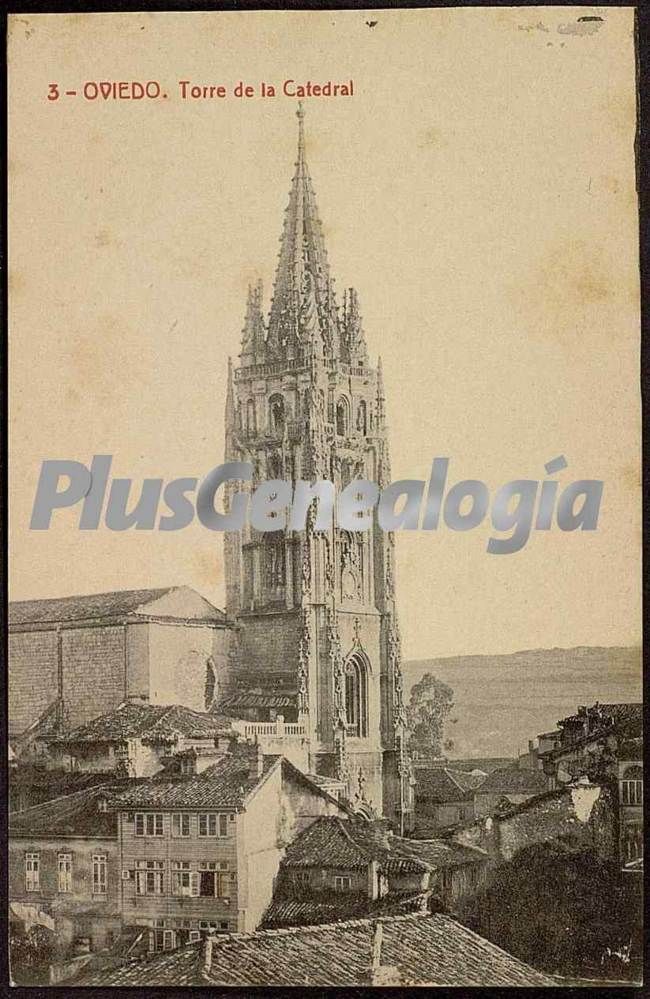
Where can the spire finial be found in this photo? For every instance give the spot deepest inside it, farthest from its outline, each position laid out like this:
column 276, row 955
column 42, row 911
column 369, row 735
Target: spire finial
column 300, row 115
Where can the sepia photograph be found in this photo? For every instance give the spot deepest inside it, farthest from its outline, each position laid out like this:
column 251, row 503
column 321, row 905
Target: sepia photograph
column 324, row 519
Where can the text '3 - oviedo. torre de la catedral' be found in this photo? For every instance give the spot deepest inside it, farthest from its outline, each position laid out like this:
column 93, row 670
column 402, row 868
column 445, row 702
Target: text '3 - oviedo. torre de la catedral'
column 315, row 661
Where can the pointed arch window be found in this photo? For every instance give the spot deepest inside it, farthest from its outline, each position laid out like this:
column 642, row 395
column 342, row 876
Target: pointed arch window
column 356, row 696
column 276, row 414
column 342, row 416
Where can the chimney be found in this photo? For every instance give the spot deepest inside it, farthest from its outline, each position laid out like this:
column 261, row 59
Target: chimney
column 207, row 954
column 256, row 761
column 382, row 974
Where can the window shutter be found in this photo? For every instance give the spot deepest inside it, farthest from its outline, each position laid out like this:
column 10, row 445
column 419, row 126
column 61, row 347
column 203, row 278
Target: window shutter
column 194, row 884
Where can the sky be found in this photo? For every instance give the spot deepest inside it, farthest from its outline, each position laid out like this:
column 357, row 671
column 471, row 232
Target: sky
column 477, row 190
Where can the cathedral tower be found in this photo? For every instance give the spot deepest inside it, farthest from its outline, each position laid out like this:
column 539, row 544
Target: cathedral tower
column 317, row 635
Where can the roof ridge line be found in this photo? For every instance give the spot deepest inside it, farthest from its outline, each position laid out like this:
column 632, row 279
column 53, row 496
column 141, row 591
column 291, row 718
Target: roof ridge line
column 322, row 927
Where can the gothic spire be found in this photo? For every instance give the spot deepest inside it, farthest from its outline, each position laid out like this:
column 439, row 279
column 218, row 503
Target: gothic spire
column 231, row 414
column 381, row 398
column 252, row 341
column 354, row 337
column 303, row 308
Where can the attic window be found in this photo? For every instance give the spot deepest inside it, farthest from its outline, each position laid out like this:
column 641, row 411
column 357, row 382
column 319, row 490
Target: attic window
column 102, row 804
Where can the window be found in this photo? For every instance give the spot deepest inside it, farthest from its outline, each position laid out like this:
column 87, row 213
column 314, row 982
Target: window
column 180, row 824
column 276, row 414
column 185, row 881
column 212, row 927
column 169, row 940
column 274, row 562
column 194, row 936
column 632, row 786
column 215, row 880
column 100, row 879
column 65, row 871
column 342, row 420
column 149, row 877
column 213, row 824
column 32, row 871
column 148, row 824
column 356, row 696
column 342, row 883
column 301, row 878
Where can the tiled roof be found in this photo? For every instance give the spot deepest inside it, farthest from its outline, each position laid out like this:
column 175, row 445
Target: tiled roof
column 334, row 842
column 75, row 814
column 226, row 784
column 330, row 907
column 440, row 852
column 442, row 784
column 427, row 950
column 514, row 780
column 256, row 699
column 484, row 763
column 58, row 783
column 151, row 722
column 177, row 968
column 116, row 603
column 352, row 843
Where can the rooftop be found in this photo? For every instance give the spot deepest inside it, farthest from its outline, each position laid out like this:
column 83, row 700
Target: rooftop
column 347, row 844
column 225, row 784
column 153, row 723
column 514, row 780
column 427, row 950
column 114, row 604
column 625, row 718
column 75, row 814
column 442, row 784
column 289, row 909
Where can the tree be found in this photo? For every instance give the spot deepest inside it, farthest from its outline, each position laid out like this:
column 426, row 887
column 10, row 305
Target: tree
column 428, row 709
column 559, row 908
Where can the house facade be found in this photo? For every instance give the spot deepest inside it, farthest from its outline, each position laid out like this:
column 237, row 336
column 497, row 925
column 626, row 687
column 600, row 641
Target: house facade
column 606, row 741
column 64, row 864
column 444, row 797
column 341, row 867
column 200, row 854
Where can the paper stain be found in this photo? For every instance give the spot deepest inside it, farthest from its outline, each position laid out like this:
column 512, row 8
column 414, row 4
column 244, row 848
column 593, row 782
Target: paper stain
column 431, row 138
column 104, row 237
column 585, row 25
column 630, row 477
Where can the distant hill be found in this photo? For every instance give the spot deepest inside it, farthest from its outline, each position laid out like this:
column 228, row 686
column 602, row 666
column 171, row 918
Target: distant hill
column 502, row 701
